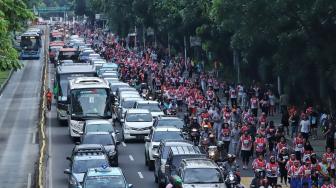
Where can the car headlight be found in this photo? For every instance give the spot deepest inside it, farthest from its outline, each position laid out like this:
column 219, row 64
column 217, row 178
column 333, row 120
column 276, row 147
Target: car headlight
column 112, row 153
column 231, row 178
column 163, row 169
column 72, row 181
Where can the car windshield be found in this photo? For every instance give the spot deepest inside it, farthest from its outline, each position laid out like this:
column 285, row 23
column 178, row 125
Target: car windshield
column 102, row 139
column 99, row 128
column 164, row 135
column 128, row 104
column 105, row 182
column 139, row 117
column 90, row 102
column 81, row 166
column 171, row 122
column 178, row 158
column 115, row 87
column 202, row 175
column 154, row 107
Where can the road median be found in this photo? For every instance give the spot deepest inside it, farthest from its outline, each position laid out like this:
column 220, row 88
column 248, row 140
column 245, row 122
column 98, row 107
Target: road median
column 41, row 168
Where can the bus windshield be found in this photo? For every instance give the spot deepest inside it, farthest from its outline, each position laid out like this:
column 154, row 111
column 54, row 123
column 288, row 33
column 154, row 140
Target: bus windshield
column 30, row 43
column 89, row 102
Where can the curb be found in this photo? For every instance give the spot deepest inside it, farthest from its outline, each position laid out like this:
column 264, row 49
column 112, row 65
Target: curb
column 2, row 88
column 41, row 164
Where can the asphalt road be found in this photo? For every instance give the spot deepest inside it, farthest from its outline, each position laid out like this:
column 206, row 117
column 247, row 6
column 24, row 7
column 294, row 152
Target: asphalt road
column 19, row 108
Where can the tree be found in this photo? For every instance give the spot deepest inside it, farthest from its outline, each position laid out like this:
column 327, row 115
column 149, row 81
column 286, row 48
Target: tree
column 12, row 14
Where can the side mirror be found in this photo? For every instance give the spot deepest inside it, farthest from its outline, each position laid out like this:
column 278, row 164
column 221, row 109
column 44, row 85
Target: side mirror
column 67, row 171
column 130, row 185
column 68, row 158
column 147, row 139
column 156, row 155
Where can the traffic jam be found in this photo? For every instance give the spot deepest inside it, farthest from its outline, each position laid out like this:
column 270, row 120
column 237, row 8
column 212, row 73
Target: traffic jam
column 196, row 130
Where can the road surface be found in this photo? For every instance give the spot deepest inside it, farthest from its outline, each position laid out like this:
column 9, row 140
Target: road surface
column 19, row 109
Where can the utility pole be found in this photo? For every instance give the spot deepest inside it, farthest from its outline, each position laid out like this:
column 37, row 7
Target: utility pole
column 135, row 37
column 236, row 63
column 185, row 51
column 168, row 45
column 143, row 36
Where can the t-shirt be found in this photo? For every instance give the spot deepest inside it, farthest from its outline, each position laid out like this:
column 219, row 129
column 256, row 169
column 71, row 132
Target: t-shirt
column 305, row 125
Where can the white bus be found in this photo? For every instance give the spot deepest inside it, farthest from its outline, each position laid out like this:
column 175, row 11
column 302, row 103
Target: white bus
column 89, row 99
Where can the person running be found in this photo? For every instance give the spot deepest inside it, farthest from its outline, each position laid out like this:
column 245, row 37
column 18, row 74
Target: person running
column 49, row 99
column 272, row 171
column 245, row 147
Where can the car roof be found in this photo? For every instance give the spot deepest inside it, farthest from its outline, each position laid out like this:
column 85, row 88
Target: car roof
column 109, row 171
column 176, row 143
column 92, row 156
column 147, row 102
column 199, row 163
column 167, row 129
column 185, row 150
column 168, row 118
column 137, row 111
column 136, row 99
column 97, row 121
column 97, row 133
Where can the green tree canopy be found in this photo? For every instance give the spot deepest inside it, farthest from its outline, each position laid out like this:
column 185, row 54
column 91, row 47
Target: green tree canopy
column 12, row 16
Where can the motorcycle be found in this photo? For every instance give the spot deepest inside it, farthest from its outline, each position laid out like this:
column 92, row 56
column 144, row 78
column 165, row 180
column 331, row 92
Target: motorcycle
column 232, row 181
column 213, row 153
column 260, row 179
column 194, row 136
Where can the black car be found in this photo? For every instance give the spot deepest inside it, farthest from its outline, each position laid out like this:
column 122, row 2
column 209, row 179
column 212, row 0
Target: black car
column 105, row 139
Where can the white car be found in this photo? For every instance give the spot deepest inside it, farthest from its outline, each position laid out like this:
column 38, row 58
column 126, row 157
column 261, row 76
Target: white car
column 125, row 104
column 153, row 141
column 152, row 106
column 137, row 124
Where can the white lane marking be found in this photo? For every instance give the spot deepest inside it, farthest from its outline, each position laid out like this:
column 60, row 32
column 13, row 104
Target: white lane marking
column 29, row 181
column 34, row 138
column 140, row 175
column 124, row 144
column 131, row 157
column 0, row 96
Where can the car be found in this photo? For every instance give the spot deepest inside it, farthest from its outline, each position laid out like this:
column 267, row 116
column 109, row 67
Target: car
column 200, row 172
column 175, row 156
column 115, row 85
column 169, row 121
column 106, row 140
column 162, row 155
column 152, row 106
column 125, row 89
column 153, row 141
column 98, row 63
column 125, row 104
column 84, row 55
column 105, row 177
column 109, row 75
column 100, row 125
column 79, row 164
column 137, row 124
column 87, row 148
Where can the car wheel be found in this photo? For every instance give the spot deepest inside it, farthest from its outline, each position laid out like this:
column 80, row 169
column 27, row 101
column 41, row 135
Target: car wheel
column 156, row 179
column 116, row 162
column 150, row 165
column 146, row 160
